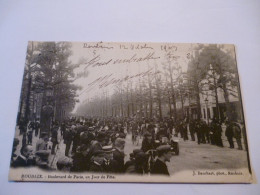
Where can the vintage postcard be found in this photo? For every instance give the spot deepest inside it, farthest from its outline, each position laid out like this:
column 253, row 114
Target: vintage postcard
column 130, row 112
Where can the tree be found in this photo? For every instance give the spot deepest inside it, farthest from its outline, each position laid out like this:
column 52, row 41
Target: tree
column 172, row 71
column 221, row 66
column 48, row 67
column 195, row 74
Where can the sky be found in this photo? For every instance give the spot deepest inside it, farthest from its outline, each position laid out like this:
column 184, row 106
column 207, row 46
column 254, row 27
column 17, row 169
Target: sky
column 98, row 62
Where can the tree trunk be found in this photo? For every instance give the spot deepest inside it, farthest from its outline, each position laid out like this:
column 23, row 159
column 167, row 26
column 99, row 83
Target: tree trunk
column 226, row 95
column 216, row 96
column 27, row 104
column 170, row 106
column 198, row 101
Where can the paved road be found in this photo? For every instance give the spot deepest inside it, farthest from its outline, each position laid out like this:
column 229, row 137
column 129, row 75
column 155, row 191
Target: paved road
column 200, row 156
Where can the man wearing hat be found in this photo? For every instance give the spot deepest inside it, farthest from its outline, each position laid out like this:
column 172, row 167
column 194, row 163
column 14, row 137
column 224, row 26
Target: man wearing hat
column 130, row 164
column 36, row 127
column 96, row 145
column 26, row 158
column 151, row 128
column 164, row 155
column 148, row 142
column 229, row 133
column 54, row 138
column 140, row 163
column 30, row 129
column 76, row 137
column 109, row 164
column 162, row 132
column 97, row 161
column 119, row 154
column 68, row 136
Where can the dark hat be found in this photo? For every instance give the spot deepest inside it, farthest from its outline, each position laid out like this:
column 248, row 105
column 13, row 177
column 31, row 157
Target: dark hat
column 91, row 136
column 83, row 135
column 98, row 153
column 101, row 136
column 131, row 155
column 140, row 157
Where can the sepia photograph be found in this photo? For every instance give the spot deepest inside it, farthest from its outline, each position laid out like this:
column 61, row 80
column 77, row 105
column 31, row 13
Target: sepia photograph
column 130, row 112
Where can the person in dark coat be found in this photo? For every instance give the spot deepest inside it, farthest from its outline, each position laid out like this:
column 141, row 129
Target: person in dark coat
column 54, row 138
column 119, row 155
column 217, row 132
column 102, row 161
column 96, row 145
column 36, row 127
column 185, row 131
column 237, row 135
column 76, row 137
column 244, row 136
column 147, row 143
column 62, row 129
column 109, row 164
column 164, row 155
column 151, row 129
column 97, row 161
column 130, row 164
column 26, row 158
column 229, row 134
column 192, row 130
column 198, row 129
column 140, row 163
column 68, row 136
column 162, row 133
column 206, row 132
column 81, row 159
column 212, row 134
column 22, row 127
column 203, row 131
column 30, row 132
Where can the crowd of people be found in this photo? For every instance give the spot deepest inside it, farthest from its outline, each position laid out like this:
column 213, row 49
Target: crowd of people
column 97, row 144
